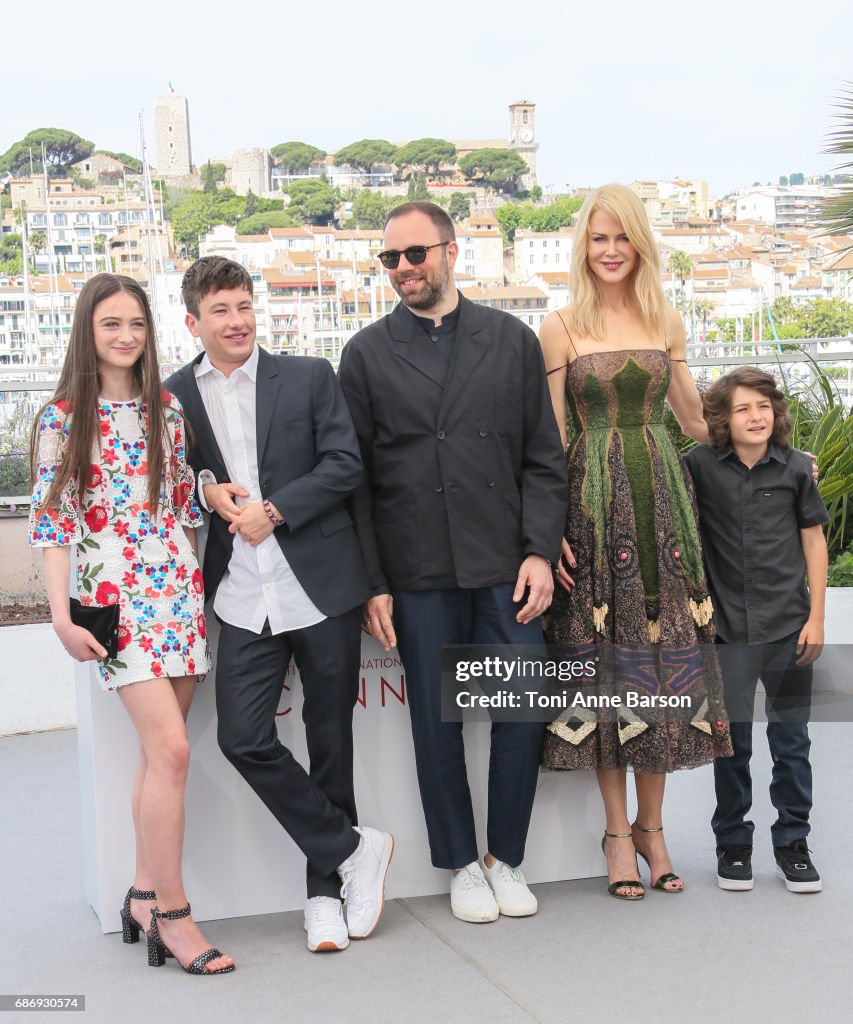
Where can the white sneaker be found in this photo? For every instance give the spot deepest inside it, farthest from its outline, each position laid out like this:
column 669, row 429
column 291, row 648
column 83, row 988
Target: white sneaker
column 510, row 888
column 363, row 876
column 324, row 922
column 471, row 899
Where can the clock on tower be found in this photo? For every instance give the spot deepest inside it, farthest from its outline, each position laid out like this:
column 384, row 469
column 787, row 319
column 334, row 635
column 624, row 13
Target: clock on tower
column 522, row 137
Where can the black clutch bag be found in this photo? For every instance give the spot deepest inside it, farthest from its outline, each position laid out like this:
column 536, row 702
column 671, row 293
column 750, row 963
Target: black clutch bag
column 101, row 621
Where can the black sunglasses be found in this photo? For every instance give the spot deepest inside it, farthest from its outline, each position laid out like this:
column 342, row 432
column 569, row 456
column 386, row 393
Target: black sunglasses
column 415, row 254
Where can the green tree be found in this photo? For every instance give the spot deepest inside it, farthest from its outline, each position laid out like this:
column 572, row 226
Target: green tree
column 536, row 193
column 370, row 209
column 211, row 174
column 783, row 310
column 250, row 204
column 704, row 308
column 509, row 216
column 197, row 212
column 498, row 168
column 417, row 189
column 556, row 215
column 313, row 198
column 797, row 179
column 37, row 243
column 460, row 205
column 296, row 157
column 528, row 216
column 366, row 153
column 11, row 255
column 783, row 180
column 427, row 154
column 62, row 148
column 681, row 266
column 824, row 318
column 260, row 223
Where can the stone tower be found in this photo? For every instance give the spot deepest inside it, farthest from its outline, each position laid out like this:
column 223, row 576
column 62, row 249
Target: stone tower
column 522, row 137
column 251, row 169
column 172, row 130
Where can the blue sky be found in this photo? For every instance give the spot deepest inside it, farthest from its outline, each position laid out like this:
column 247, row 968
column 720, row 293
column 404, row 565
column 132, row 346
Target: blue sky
column 727, row 91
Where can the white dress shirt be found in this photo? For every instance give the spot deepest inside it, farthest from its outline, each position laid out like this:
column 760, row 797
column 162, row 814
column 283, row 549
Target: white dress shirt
column 258, row 583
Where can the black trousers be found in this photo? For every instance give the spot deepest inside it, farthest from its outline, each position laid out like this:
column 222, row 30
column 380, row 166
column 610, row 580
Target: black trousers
column 788, row 688
column 315, row 808
column 425, row 620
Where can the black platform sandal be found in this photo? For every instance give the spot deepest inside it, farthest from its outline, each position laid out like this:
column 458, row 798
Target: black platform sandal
column 130, row 928
column 158, row 951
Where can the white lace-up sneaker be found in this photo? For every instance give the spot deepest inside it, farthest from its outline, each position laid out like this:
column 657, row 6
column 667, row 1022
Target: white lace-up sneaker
column 363, row 877
column 510, row 888
column 471, row 899
column 324, row 922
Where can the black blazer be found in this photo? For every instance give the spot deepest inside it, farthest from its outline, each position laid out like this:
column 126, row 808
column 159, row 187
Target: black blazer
column 465, row 470
column 308, row 464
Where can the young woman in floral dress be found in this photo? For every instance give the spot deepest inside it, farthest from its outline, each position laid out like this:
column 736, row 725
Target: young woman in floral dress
column 111, row 480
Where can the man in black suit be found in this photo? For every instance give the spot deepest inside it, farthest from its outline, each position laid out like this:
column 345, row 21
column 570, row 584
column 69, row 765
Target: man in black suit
column 276, row 456
column 461, row 518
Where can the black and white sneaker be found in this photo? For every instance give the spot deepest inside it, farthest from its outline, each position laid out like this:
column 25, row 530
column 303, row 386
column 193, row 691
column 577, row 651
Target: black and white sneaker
column 794, row 866
column 734, row 867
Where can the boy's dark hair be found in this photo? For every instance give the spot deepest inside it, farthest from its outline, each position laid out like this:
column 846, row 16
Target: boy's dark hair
column 212, row 274
column 717, row 405
column 440, row 218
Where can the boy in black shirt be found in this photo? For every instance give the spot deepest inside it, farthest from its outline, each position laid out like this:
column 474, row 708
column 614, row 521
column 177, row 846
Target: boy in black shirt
column 760, row 514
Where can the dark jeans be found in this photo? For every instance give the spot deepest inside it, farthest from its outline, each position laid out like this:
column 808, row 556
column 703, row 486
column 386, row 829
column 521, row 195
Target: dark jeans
column 316, row 808
column 788, row 705
column 425, row 620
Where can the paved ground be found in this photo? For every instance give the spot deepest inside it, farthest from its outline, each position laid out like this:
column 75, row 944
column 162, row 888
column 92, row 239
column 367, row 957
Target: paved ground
column 705, row 957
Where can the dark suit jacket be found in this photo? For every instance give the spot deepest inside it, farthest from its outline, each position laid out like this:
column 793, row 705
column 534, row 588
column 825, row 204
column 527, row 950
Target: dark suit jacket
column 465, row 471
column 308, row 464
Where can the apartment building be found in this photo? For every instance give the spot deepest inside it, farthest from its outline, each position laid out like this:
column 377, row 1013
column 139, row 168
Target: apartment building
column 530, row 305
column 78, row 222
column 536, row 252
column 785, row 208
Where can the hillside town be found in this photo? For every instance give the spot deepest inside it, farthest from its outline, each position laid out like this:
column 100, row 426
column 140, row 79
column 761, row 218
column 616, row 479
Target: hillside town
column 727, row 261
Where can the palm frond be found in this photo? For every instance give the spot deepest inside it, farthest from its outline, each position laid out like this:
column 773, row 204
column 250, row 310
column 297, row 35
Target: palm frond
column 837, row 214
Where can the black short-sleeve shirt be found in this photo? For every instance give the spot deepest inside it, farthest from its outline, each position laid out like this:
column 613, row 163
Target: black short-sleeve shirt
column 750, row 521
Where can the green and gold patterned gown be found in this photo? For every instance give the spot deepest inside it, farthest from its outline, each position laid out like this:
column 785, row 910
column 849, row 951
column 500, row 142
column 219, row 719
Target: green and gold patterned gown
column 640, row 601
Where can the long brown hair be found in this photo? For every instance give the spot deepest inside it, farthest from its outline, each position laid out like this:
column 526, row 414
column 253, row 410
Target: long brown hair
column 717, row 405
column 78, row 390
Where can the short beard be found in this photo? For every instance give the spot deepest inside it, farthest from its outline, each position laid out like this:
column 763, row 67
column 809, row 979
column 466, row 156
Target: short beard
column 433, row 293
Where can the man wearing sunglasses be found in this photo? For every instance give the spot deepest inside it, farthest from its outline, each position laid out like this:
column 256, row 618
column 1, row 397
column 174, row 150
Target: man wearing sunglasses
column 460, row 518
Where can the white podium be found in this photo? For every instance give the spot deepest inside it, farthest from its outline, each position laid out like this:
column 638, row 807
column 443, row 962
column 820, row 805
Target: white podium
column 238, row 860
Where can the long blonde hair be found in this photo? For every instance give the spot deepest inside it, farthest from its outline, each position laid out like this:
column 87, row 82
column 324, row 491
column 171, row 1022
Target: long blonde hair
column 585, row 314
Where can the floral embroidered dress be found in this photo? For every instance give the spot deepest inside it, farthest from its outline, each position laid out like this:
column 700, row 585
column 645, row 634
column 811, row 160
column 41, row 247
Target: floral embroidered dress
column 125, row 555
column 640, row 600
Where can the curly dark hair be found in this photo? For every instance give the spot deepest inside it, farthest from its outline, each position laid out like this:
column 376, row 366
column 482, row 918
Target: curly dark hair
column 717, row 405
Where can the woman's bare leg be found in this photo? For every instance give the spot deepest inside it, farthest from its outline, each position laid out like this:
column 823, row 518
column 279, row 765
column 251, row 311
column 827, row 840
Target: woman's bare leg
column 158, row 710
column 650, row 790
column 621, row 859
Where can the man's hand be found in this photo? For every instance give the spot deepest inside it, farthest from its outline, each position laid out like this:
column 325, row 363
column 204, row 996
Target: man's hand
column 378, row 621
column 220, row 498
column 79, row 642
column 535, row 573
column 251, row 522
column 810, row 643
